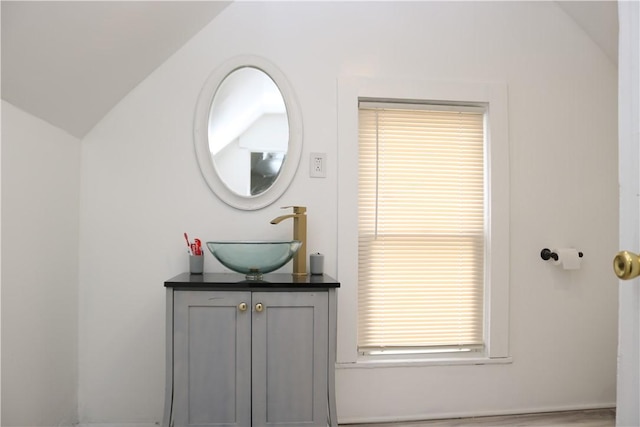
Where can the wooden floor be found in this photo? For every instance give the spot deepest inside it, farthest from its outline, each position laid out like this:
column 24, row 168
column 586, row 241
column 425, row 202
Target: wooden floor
column 591, row 418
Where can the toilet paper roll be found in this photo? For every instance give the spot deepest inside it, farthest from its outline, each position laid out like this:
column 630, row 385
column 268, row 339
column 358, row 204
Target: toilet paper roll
column 568, row 258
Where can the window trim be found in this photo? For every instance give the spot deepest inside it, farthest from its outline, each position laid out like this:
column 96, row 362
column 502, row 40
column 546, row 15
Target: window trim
column 352, row 89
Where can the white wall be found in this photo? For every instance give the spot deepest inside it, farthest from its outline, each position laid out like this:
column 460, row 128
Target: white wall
column 40, row 201
column 141, row 189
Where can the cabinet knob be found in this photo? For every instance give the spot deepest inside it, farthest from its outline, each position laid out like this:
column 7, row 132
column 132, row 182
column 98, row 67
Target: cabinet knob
column 242, row 306
column 259, row 307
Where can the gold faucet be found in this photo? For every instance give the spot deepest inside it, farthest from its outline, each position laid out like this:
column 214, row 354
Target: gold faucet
column 299, row 216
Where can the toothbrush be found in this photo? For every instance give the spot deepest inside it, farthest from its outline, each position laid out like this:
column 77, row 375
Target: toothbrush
column 188, row 244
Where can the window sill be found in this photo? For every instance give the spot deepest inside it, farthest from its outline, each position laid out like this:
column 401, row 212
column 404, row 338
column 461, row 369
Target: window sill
column 399, row 363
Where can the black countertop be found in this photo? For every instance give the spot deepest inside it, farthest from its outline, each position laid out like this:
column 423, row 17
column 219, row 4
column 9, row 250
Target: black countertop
column 238, row 281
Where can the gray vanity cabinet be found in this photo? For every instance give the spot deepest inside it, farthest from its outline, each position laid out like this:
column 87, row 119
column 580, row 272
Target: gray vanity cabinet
column 250, row 357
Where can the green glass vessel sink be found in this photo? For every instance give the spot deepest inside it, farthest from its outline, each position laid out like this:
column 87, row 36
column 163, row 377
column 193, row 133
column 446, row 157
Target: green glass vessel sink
column 254, row 258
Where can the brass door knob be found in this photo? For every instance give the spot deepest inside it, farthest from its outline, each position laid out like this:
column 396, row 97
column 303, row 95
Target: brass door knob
column 259, row 307
column 626, row 265
column 242, row 306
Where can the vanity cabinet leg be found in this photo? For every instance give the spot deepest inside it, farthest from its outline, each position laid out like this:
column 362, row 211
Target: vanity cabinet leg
column 331, row 380
column 168, row 388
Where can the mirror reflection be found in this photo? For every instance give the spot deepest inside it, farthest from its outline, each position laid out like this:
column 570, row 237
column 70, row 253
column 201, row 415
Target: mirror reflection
column 248, row 131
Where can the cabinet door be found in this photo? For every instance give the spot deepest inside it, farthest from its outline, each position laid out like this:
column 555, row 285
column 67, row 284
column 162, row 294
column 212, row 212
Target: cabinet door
column 289, row 348
column 212, row 359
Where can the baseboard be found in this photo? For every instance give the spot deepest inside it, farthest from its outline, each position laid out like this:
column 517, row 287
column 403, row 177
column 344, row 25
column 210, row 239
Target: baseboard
column 473, row 414
column 156, row 424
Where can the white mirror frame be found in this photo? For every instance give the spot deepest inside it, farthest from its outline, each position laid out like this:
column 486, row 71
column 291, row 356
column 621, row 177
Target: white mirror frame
column 201, row 134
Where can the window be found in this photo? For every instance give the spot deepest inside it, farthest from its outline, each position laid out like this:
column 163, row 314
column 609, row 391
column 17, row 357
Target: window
column 421, row 228
column 493, row 256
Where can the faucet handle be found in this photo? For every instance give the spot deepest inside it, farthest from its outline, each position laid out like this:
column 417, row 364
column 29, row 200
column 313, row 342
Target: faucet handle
column 296, row 209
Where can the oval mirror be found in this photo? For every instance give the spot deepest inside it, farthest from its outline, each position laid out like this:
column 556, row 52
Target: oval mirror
column 248, row 133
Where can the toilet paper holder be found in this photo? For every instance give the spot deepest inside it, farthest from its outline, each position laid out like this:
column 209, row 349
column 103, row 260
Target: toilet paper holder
column 546, row 254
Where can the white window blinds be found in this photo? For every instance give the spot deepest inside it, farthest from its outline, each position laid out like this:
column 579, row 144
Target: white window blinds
column 421, row 227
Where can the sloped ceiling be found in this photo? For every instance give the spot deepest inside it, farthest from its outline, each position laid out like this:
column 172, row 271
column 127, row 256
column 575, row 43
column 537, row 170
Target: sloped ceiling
column 70, row 62
column 599, row 19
